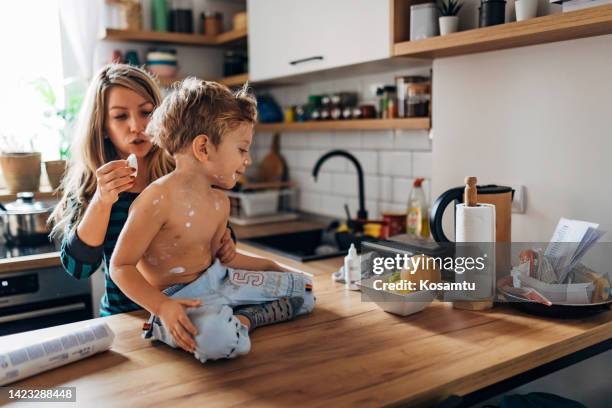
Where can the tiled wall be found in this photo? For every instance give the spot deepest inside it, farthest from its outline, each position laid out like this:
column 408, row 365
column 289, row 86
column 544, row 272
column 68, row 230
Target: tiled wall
column 391, row 159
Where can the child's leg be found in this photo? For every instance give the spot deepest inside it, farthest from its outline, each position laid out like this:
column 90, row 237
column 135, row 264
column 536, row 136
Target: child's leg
column 220, row 333
column 264, row 314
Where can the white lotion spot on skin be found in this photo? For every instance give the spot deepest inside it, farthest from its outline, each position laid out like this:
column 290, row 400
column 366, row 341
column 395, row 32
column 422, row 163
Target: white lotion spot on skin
column 133, row 162
column 188, row 224
column 234, row 177
column 156, row 201
column 178, row 269
column 191, row 213
column 217, row 205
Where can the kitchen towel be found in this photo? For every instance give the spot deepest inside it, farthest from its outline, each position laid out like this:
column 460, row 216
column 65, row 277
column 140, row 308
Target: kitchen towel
column 475, row 237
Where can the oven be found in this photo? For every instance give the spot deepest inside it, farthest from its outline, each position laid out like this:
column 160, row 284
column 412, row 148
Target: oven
column 42, row 297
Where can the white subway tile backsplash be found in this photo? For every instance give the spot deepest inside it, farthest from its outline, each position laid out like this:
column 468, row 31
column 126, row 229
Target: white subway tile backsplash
column 385, row 188
column 412, row 140
column 421, row 164
column 347, row 139
column 368, row 160
column 334, row 164
column 372, row 187
column 345, row 184
column 263, row 140
column 310, row 201
column 395, row 164
column 320, row 141
column 323, row 184
column 401, row 189
column 296, row 139
column 292, row 158
column 334, row 205
column 378, row 139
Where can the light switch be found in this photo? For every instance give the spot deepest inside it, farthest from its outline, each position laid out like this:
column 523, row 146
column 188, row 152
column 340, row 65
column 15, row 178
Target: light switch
column 519, row 203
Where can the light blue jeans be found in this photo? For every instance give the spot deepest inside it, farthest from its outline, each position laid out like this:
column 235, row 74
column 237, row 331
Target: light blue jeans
column 220, row 288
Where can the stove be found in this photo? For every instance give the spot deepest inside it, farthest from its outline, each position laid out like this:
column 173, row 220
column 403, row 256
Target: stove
column 39, row 297
column 15, row 251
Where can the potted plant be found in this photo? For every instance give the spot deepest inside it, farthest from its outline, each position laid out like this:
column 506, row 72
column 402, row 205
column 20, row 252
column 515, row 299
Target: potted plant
column 20, row 164
column 449, row 21
column 525, row 9
column 61, row 121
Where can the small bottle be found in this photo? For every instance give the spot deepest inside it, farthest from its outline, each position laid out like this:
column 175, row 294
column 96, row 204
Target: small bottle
column 352, row 268
column 417, row 219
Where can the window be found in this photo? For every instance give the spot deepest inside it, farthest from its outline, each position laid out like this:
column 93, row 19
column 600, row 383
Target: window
column 32, row 54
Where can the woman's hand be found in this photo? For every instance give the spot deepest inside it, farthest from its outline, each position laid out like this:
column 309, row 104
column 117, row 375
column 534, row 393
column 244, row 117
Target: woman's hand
column 173, row 315
column 113, row 178
column 227, row 251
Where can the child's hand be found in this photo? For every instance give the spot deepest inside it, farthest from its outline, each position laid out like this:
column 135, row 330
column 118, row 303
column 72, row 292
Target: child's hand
column 227, row 251
column 173, row 316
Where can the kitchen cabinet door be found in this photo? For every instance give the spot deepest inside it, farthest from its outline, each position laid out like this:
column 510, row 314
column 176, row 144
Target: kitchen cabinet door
column 288, row 37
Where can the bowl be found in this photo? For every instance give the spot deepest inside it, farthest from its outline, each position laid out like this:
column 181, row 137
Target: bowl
column 162, row 70
column 392, row 302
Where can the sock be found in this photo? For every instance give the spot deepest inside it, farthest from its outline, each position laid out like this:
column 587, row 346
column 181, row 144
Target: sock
column 272, row 312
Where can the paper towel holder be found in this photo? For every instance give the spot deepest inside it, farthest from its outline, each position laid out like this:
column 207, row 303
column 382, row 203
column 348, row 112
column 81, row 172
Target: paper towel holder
column 485, row 192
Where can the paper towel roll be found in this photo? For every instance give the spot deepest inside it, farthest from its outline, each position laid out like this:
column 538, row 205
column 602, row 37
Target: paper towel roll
column 475, row 224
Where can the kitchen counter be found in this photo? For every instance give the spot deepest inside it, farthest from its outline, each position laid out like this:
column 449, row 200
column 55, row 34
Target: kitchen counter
column 346, row 352
column 51, row 259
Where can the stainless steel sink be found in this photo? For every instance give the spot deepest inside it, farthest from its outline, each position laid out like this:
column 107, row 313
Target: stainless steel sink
column 305, row 246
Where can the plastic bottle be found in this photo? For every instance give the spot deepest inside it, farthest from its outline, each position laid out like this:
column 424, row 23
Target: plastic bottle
column 352, row 268
column 417, row 219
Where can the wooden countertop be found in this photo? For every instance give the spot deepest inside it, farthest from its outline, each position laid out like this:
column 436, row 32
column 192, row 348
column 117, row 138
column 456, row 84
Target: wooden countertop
column 242, row 232
column 346, row 352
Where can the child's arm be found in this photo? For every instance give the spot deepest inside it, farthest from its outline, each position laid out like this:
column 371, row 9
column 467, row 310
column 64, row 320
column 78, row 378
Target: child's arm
column 240, row 261
column 146, row 217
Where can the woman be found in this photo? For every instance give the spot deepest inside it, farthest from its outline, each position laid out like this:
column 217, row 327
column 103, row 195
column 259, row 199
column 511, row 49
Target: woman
column 99, row 186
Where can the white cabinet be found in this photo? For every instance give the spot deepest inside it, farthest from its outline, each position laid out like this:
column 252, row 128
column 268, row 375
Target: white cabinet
column 288, row 37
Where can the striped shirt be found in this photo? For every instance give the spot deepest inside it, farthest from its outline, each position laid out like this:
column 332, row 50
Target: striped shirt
column 81, row 260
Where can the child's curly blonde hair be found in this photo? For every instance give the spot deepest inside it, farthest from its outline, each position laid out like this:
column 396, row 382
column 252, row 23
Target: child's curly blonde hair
column 196, row 107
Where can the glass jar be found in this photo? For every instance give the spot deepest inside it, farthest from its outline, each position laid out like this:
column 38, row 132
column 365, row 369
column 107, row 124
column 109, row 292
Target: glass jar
column 180, row 18
column 417, row 101
column 212, row 23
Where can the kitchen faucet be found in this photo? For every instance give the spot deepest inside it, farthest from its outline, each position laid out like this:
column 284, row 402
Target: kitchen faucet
column 362, row 213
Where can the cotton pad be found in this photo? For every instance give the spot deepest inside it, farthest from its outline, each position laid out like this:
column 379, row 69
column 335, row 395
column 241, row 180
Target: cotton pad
column 133, row 162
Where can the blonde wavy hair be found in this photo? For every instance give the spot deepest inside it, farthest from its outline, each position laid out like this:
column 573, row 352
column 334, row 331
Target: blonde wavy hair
column 90, row 149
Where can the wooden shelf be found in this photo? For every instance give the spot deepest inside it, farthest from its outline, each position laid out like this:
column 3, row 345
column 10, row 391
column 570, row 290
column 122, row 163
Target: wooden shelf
column 556, row 27
column 234, row 80
column 226, row 38
column 358, row 124
column 231, row 37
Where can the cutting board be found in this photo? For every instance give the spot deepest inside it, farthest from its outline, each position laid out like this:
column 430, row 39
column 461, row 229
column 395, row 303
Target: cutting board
column 273, row 166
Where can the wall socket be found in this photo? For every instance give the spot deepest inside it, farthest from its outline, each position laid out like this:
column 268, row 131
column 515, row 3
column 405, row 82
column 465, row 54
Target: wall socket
column 519, row 200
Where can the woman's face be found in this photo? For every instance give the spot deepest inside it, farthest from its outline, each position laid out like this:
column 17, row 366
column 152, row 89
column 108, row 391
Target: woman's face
column 126, row 117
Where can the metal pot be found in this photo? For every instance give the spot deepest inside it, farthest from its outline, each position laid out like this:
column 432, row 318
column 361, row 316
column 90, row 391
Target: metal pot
column 24, row 222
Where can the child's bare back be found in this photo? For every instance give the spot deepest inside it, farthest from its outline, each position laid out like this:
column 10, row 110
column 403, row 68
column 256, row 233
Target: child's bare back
column 194, row 220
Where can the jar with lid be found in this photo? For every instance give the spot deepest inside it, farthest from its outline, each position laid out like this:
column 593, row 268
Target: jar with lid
column 402, row 83
column 234, row 63
column 417, row 103
column 212, row 23
column 180, row 17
